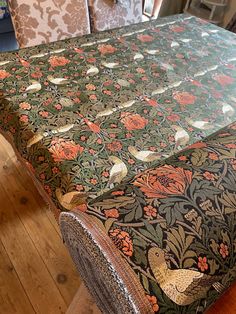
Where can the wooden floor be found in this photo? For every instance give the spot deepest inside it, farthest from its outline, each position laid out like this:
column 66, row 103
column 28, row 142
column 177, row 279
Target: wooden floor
column 36, row 272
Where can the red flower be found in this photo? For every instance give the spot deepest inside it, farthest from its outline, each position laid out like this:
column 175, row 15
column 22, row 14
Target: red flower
column 64, row 150
column 185, row 98
column 106, row 49
column 182, row 158
column 145, row 38
column 4, row 74
column 223, row 80
column 111, row 213
column 177, row 29
column 24, row 118
column 202, row 263
column 153, row 300
column 150, row 211
column 224, row 250
column 133, row 121
column 164, row 181
column 209, row 176
column 122, row 241
column 43, row 114
column 114, row 146
column 173, row 117
column 213, row 156
column 37, row 74
column 25, row 106
column 58, row 61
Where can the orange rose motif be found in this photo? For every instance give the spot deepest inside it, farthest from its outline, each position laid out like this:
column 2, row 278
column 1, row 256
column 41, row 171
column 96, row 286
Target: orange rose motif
column 145, row 38
column 64, row 150
column 106, row 49
column 122, row 241
column 4, row 74
column 58, row 61
column 114, row 146
column 164, row 181
column 223, row 80
column 133, row 121
column 184, row 98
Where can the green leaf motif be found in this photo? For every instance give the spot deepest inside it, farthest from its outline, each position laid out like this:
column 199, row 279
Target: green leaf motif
column 199, row 157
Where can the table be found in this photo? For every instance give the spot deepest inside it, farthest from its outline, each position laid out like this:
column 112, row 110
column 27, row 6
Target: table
column 88, row 113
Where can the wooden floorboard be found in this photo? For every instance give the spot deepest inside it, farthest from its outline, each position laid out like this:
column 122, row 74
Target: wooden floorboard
column 30, row 236
column 13, row 298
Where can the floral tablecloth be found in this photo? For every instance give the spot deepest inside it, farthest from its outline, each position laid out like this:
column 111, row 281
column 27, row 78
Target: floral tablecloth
column 88, row 113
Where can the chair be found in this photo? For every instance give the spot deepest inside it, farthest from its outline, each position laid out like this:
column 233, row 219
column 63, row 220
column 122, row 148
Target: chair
column 38, row 22
column 108, row 14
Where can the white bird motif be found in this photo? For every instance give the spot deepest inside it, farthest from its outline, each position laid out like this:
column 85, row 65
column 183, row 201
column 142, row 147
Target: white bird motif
column 4, row 62
column 40, row 55
column 126, row 104
column 92, row 71
column 199, row 124
column 153, row 52
column 186, row 40
column 138, row 56
column 34, row 87
column 159, row 90
column 57, row 51
column 57, row 80
column 110, row 65
column 144, row 155
column 174, row 44
column 181, row 136
column 118, row 172
column 106, row 112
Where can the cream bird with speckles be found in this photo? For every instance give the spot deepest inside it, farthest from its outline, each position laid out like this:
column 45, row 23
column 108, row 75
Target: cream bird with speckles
column 182, row 286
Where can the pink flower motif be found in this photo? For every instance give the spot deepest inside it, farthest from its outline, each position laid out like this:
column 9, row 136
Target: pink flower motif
column 25, row 106
column 43, row 114
column 24, row 118
column 202, row 263
column 224, row 250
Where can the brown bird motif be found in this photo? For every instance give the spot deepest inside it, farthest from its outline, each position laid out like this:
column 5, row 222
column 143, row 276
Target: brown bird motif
column 182, row 286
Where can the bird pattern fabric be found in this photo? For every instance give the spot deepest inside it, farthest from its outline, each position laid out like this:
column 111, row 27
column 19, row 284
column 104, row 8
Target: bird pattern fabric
column 135, row 95
column 90, row 113
column 174, row 224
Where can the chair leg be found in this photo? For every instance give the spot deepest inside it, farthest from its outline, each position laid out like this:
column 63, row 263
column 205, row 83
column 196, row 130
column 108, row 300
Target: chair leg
column 83, row 303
